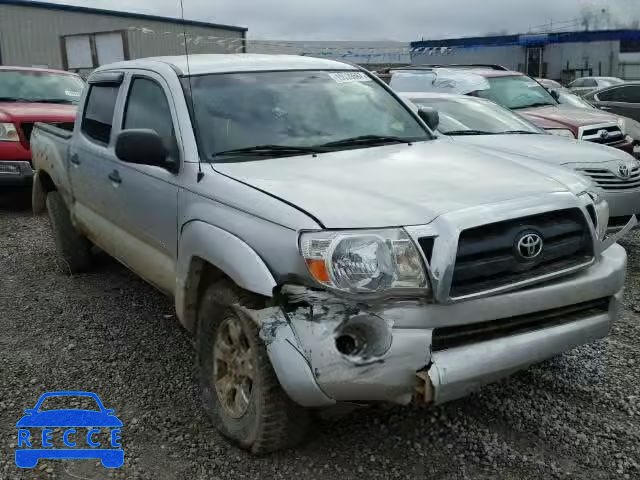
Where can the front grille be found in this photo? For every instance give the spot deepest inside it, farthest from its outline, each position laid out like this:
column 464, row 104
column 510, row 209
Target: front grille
column 608, row 180
column 452, row 337
column 9, row 169
column 488, row 255
column 596, row 134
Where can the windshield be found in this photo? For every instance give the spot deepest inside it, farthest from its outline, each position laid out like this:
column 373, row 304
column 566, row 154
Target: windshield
column 458, row 115
column 300, row 109
column 45, row 87
column 516, row 92
column 567, row 98
column 607, row 82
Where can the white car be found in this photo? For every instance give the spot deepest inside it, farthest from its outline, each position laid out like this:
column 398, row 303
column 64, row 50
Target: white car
column 584, row 85
column 483, row 123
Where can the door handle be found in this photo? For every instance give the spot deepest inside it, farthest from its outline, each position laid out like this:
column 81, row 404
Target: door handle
column 602, row 107
column 115, row 177
column 75, row 159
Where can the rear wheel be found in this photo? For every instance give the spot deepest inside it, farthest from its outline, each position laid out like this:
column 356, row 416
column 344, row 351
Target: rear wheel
column 74, row 250
column 240, row 389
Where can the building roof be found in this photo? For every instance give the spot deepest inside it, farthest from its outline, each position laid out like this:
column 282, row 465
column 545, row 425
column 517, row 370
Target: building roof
column 118, row 13
column 530, row 39
column 202, row 64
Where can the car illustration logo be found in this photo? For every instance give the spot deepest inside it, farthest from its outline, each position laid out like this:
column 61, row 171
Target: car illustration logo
column 624, row 171
column 529, row 245
column 604, row 134
column 85, row 433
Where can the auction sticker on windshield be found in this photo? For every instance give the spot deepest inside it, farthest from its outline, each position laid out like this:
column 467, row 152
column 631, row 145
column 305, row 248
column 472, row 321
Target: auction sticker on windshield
column 346, row 77
column 69, row 426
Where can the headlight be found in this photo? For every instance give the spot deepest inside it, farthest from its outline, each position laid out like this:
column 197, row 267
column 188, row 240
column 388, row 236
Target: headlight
column 8, row 133
column 561, row 132
column 364, row 261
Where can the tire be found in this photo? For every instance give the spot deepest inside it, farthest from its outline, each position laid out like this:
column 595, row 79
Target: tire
column 74, row 250
column 271, row 421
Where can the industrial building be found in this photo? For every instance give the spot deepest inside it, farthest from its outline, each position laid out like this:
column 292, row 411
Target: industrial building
column 81, row 39
column 560, row 56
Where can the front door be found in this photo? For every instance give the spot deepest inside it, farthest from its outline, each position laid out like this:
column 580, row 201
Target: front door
column 622, row 100
column 534, row 62
column 147, row 203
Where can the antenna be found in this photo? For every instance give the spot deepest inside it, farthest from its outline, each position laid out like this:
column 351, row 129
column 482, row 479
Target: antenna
column 186, row 52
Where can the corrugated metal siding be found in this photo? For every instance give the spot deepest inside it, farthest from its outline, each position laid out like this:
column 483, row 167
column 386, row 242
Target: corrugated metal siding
column 31, row 36
column 511, row 57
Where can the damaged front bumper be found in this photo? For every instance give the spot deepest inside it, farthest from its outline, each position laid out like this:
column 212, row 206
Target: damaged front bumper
column 325, row 350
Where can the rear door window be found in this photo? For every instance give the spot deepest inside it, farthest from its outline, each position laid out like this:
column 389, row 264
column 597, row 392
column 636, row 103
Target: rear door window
column 98, row 113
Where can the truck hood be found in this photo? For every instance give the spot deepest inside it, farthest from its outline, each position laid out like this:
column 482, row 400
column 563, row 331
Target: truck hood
column 392, row 185
column 36, row 112
column 565, row 116
column 548, row 148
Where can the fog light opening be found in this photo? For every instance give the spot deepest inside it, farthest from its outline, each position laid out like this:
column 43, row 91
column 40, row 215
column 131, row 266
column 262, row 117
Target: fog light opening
column 348, row 345
column 363, row 338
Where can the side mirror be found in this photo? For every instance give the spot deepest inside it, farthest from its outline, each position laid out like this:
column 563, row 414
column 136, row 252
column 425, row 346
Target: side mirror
column 142, row 147
column 430, row 116
column 555, row 95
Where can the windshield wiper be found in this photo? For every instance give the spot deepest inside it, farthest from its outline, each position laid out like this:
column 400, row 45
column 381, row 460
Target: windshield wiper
column 468, row 132
column 520, row 132
column 270, row 150
column 537, row 104
column 35, row 100
column 369, row 140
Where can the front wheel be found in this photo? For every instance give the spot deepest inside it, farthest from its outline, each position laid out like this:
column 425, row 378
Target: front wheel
column 240, row 389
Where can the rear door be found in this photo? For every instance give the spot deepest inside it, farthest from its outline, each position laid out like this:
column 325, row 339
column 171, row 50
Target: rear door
column 90, row 157
column 147, row 196
column 622, row 100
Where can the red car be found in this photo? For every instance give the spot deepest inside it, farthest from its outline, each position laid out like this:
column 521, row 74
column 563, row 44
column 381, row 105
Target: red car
column 29, row 95
column 520, row 93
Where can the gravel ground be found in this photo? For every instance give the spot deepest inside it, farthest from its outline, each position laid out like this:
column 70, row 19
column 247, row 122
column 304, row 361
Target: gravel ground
column 576, row 416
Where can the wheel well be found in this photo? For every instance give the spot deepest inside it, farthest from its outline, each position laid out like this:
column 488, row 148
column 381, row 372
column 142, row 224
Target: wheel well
column 201, row 274
column 46, row 182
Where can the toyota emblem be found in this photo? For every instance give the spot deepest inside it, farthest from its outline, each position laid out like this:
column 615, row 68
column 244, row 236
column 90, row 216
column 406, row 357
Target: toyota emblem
column 529, row 245
column 604, row 134
column 624, row 171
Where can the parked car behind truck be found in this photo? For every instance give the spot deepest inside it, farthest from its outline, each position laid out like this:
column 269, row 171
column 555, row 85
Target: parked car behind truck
column 320, row 242
column 29, row 95
column 480, row 122
column 517, row 92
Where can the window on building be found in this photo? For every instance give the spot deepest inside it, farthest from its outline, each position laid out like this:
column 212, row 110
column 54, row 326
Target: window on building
column 93, row 49
column 98, row 114
column 147, row 107
column 624, row 94
column 629, row 46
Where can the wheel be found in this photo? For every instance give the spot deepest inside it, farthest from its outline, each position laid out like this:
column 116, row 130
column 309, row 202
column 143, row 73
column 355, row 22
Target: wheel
column 73, row 249
column 240, row 390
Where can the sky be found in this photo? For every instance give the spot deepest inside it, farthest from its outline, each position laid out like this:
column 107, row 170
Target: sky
column 402, row 20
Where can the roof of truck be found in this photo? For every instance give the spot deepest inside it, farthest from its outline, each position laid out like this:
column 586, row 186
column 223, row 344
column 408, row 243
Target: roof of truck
column 202, row 64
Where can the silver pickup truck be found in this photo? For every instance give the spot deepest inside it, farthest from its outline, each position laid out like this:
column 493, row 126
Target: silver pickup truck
column 321, row 243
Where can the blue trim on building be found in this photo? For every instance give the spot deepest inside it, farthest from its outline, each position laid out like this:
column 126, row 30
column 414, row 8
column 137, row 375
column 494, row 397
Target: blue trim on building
column 531, row 39
column 115, row 13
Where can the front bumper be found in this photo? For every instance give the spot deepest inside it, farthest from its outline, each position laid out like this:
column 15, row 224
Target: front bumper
column 303, row 350
column 15, row 172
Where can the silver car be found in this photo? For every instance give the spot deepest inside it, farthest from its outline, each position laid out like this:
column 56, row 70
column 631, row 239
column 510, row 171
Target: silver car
column 584, row 85
column 482, row 123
